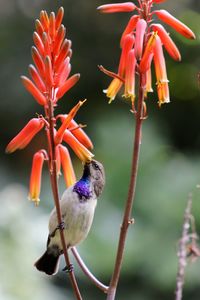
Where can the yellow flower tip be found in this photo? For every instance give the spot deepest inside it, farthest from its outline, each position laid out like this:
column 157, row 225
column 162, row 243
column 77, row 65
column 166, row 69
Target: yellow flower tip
column 59, row 174
column 111, row 100
column 82, row 102
column 113, row 89
column 162, row 81
column 105, row 91
column 163, row 92
column 129, row 96
column 36, row 200
column 160, row 103
column 88, row 158
column 80, row 150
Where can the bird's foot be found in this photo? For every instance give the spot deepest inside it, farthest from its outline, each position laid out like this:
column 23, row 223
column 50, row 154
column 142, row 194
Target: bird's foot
column 61, row 226
column 68, row 269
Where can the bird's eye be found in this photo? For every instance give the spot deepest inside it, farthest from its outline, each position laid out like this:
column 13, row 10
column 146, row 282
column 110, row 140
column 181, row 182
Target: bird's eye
column 96, row 166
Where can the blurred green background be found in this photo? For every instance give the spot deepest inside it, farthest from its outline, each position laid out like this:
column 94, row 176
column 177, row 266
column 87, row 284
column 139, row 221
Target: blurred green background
column 169, row 163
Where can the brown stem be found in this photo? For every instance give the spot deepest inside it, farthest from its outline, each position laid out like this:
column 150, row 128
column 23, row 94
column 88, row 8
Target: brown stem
column 54, row 185
column 182, row 251
column 87, row 272
column 131, row 193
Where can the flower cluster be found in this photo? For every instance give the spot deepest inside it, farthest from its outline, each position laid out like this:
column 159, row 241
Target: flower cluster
column 49, row 82
column 141, row 44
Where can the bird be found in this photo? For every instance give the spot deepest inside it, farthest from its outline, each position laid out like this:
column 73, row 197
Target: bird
column 77, row 204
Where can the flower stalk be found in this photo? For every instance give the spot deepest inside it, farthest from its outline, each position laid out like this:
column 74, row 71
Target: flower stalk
column 127, row 219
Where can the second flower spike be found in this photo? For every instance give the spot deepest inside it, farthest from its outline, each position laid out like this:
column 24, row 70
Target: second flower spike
column 143, row 32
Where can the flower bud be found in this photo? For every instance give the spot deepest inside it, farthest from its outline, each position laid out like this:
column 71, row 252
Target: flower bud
column 81, row 151
column 66, row 122
column 33, row 90
column 139, row 38
column 130, row 76
column 37, row 79
column 145, row 63
column 127, row 46
column 167, row 41
column 59, row 17
column 78, row 132
column 24, row 137
column 36, row 174
column 161, row 73
column 129, row 28
column 117, row 7
column 180, row 27
column 67, row 85
column 67, row 166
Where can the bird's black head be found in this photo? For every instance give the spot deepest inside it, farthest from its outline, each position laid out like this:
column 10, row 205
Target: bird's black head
column 94, row 171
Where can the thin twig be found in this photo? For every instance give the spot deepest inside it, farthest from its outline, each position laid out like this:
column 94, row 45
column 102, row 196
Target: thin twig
column 87, row 272
column 54, row 184
column 131, row 193
column 182, row 251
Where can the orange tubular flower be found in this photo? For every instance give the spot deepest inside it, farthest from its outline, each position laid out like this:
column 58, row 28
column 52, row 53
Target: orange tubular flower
column 63, row 72
column 36, row 174
column 127, row 46
column 167, row 42
column 67, row 166
column 37, row 58
column 38, row 43
column 66, row 122
column 117, row 7
column 30, row 86
column 148, row 88
column 78, row 132
column 59, row 18
column 130, row 76
column 24, row 137
column 129, row 28
column 145, row 63
column 167, row 18
column 67, row 85
column 113, row 89
column 81, row 151
column 139, row 38
column 48, row 72
column 161, row 73
column 64, row 51
column 58, row 161
column 37, row 79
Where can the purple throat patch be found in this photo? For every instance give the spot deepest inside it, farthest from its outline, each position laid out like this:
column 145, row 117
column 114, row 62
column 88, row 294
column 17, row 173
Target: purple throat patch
column 82, row 188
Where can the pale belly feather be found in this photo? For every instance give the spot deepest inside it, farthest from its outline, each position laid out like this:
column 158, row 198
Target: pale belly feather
column 77, row 216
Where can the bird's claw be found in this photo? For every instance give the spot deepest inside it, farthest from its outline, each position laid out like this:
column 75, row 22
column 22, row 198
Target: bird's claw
column 68, row 269
column 61, row 226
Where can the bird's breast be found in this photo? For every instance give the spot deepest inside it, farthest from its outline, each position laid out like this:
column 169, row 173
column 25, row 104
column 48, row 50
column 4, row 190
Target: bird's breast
column 77, row 216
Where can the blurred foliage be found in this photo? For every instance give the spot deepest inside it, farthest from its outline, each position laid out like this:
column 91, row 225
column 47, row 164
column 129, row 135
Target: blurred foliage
column 169, row 162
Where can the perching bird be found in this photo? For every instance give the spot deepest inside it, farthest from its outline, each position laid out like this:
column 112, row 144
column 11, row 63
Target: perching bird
column 77, row 207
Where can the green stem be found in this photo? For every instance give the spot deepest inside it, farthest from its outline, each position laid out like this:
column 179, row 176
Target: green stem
column 127, row 220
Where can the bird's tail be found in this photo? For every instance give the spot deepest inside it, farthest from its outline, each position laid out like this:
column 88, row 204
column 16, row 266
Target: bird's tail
column 48, row 263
